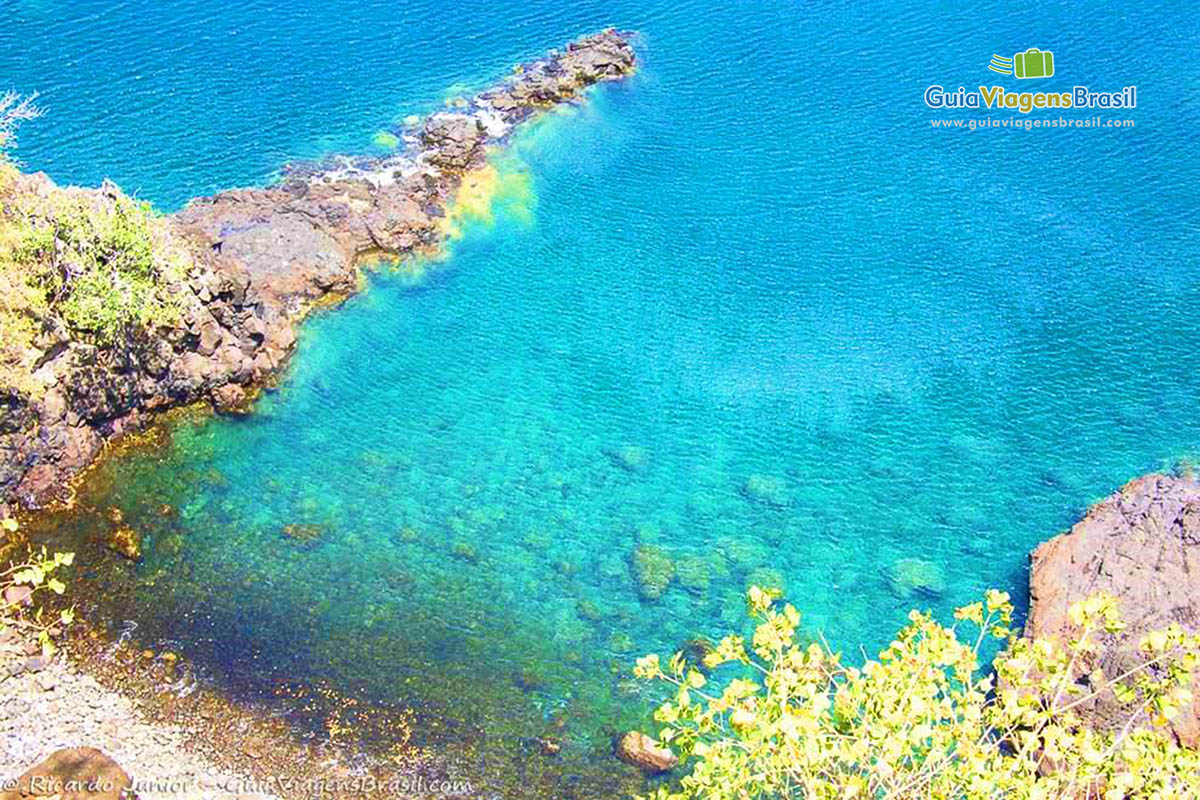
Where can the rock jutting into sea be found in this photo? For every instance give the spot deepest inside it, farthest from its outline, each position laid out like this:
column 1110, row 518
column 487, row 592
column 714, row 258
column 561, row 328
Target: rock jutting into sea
column 260, row 258
column 1141, row 545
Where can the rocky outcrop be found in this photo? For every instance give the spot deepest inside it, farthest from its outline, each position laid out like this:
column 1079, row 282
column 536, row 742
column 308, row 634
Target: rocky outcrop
column 641, row 751
column 259, row 259
column 1141, row 545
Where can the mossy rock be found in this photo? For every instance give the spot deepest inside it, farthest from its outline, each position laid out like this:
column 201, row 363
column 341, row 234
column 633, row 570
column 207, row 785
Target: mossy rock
column 915, row 577
column 653, row 571
column 125, row 541
column 620, row 642
column 693, row 573
column 767, row 578
column 629, row 458
column 767, row 490
column 465, row 551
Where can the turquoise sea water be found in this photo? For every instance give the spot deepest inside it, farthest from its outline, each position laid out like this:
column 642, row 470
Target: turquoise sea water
column 754, row 261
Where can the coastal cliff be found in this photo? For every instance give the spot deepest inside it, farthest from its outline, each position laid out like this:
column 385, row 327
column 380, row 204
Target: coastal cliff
column 1141, row 545
column 255, row 261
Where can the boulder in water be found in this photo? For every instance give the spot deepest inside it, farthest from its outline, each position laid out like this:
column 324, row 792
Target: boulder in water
column 767, row 490
column 911, row 577
column 638, row 749
column 653, row 571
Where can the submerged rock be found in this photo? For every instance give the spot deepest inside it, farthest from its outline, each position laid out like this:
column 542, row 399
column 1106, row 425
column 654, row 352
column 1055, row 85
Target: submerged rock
column 465, row 551
column 641, row 751
column 915, row 577
column 125, row 541
column 587, row 610
column 1141, row 545
column 630, row 458
column 697, row 649
column 620, row 642
column 767, row 578
column 652, row 570
column 170, row 545
column 767, row 490
column 303, row 533
column 693, row 573
column 742, row 554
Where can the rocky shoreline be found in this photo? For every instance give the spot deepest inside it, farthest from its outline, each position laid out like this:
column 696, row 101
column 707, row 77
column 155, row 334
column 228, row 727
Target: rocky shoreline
column 1142, row 546
column 260, row 260
column 145, row 714
column 50, row 708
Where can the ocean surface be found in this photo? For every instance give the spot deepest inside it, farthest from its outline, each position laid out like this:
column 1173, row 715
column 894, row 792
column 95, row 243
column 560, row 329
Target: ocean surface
column 748, row 307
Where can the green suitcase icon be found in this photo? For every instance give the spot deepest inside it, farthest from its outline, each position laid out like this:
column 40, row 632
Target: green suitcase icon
column 1033, row 63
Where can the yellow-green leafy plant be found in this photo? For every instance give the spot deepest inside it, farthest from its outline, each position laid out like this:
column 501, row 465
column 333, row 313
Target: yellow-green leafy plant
column 21, row 583
column 96, row 263
column 101, row 259
column 926, row 719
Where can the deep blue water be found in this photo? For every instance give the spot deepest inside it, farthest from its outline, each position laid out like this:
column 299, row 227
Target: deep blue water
column 755, row 258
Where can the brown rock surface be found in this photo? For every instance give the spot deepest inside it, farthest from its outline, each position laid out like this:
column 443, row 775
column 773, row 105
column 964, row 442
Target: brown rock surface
column 75, row 773
column 641, row 751
column 1142, row 545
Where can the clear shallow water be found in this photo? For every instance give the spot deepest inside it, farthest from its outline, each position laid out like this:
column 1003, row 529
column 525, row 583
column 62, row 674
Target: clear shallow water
column 939, row 345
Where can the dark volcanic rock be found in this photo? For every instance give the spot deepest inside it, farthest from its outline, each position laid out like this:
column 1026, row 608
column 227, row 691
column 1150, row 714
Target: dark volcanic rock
column 261, row 258
column 1141, row 545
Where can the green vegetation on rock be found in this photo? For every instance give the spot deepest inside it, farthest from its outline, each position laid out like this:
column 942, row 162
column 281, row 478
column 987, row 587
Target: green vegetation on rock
column 924, row 720
column 86, row 264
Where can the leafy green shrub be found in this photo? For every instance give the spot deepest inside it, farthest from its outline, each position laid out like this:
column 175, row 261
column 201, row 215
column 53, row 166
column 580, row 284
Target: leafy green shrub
column 103, row 261
column 98, row 260
column 923, row 720
column 20, row 584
